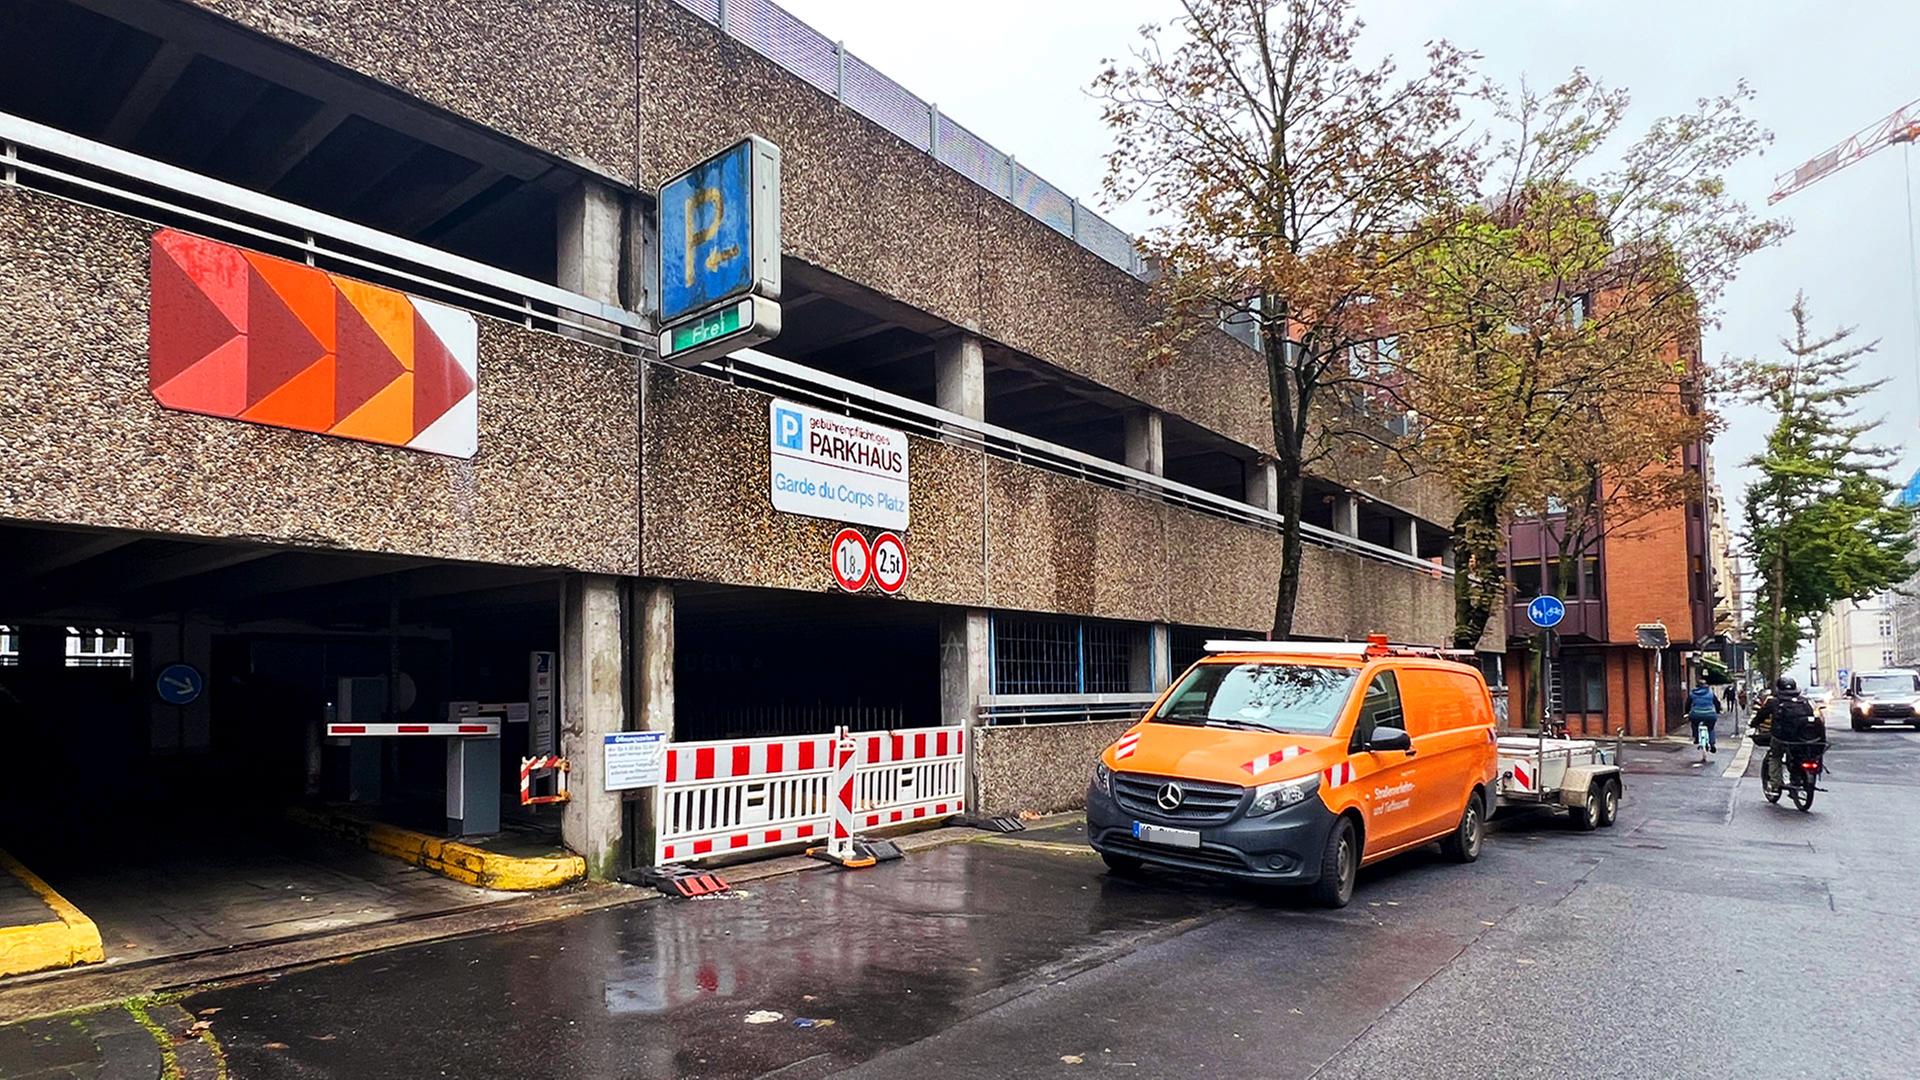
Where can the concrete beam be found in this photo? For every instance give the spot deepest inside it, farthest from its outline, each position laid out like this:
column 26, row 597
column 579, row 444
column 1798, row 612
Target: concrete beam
column 272, row 168
column 143, row 99
column 1146, row 442
column 593, row 703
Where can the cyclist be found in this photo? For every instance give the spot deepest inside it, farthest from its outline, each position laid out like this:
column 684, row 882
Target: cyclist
column 1796, row 731
column 1703, row 708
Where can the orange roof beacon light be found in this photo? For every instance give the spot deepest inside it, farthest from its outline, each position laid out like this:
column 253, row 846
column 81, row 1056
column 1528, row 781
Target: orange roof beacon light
column 1377, row 645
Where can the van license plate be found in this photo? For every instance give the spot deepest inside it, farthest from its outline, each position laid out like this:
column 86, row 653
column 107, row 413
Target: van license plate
column 1157, row 834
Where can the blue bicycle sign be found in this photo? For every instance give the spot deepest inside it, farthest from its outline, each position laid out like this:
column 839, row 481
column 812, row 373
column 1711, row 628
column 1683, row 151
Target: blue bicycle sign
column 1546, row 612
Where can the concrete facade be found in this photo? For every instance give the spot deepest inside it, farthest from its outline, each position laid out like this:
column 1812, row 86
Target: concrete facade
column 645, row 487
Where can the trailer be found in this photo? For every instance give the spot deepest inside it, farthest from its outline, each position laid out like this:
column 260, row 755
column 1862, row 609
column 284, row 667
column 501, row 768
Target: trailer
column 1581, row 775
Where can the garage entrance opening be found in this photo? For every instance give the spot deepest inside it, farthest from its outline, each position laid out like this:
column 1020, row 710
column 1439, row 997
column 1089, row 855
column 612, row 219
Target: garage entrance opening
column 750, row 663
column 168, row 701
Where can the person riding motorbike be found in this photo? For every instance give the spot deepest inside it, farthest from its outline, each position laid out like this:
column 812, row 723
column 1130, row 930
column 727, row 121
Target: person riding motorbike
column 1797, row 734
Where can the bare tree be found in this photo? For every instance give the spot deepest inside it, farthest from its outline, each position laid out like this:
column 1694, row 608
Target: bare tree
column 1292, row 179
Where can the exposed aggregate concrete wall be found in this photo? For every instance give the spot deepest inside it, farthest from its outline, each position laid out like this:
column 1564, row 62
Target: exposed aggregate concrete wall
column 82, row 442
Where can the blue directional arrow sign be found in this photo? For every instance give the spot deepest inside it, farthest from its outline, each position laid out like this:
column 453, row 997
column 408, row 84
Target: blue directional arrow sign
column 1546, row 612
column 179, row 684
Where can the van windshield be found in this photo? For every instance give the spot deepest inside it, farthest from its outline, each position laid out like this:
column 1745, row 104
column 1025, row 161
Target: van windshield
column 1887, row 685
column 1295, row 698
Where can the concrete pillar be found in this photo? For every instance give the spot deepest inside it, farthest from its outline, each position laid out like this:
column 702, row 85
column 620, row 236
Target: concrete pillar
column 1263, row 484
column 1162, row 656
column 1405, row 538
column 593, row 704
column 1146, row 442
column 653, row 692
column 1346, row 515
column 965, row 677
column 960, row 376
column 185, row 727
column 589, row 245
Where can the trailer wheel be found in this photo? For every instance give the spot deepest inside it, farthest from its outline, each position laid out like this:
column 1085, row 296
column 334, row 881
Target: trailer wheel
column 1587, row 818
column 1609, row 802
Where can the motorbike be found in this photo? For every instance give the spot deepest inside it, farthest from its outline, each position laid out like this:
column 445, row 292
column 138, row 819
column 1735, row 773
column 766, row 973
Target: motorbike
column 1793, row 769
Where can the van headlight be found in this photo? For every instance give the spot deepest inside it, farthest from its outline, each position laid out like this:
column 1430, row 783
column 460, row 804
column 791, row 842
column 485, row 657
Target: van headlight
column 1270, row 797
column 1103, row 778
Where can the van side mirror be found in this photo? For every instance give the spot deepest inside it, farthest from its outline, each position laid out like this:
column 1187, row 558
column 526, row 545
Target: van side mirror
column 1386, row 739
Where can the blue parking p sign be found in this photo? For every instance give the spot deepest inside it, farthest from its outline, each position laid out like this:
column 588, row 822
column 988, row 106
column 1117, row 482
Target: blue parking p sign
column 720, row 231
column 1546, row 612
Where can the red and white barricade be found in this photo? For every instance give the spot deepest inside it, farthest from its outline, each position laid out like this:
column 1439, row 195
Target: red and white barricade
column 910, row 775
column 560, row 768
column 744, row 795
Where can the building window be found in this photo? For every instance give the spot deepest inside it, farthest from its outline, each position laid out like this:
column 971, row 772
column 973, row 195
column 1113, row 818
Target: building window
column 1583, row 682
column 96, row 647
column 1590, row 577
column 1106, row 651
column 1526, row 579
column 1049, row 655
column 1886, row 627
column 1886, row 658
column 9, row 647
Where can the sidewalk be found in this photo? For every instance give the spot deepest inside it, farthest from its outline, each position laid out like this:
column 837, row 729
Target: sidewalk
column 137, row 1039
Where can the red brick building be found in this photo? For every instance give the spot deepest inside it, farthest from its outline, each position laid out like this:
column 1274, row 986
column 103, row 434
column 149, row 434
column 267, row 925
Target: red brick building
column 1655, row 569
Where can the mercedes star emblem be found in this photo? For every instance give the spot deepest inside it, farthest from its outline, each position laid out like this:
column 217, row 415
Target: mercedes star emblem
column 1170, row 797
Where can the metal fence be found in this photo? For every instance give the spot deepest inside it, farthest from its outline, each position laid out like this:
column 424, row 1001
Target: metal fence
column 773, row 32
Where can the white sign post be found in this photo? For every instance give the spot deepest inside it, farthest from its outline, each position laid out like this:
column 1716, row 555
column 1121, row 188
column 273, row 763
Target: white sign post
column 634, row 759
column 540, row 668
column 826, row 465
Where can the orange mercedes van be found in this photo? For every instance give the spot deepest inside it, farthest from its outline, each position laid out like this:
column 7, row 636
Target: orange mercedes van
column 1296, row 763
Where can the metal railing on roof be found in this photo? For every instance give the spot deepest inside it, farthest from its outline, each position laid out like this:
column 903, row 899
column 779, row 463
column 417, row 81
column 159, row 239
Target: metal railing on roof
column 68, row 166
column 755, row 369
column 775, row 33
column 60, row 163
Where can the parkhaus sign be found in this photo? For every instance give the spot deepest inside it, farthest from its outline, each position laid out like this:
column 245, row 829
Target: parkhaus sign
column 829, row 466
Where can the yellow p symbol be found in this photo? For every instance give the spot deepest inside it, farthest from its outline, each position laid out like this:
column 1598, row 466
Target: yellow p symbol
column 699, row 234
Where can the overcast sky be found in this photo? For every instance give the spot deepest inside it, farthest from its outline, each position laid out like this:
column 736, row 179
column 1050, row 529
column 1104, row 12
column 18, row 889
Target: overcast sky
column 1016, row 74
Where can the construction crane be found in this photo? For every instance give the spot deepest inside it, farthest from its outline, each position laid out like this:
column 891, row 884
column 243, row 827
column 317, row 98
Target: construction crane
column 1901, row 127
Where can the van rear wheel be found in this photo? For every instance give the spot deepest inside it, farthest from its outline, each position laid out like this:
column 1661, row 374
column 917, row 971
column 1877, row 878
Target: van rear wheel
column 1462, row 845
column 1339, row 866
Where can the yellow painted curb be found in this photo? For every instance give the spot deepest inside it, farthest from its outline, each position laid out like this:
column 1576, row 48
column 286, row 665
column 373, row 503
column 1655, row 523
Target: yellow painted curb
column 69, row 938
column 451, row 859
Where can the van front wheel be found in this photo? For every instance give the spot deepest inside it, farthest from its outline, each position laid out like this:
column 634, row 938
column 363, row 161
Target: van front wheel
column 1462, row 845
column 1339, row 865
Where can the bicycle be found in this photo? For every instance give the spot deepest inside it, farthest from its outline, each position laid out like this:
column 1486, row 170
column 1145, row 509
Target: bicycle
column 1703, row 736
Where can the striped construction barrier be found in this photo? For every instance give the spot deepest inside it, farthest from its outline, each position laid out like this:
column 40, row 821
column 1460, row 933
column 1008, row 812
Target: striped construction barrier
column 560, row 768
column 745, row 795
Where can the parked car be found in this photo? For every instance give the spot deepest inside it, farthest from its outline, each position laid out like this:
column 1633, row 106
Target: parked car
column 1295, row 763
column 1889, row 696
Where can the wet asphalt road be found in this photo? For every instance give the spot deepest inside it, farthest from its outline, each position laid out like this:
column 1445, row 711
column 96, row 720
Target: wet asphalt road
column 1708, row 934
